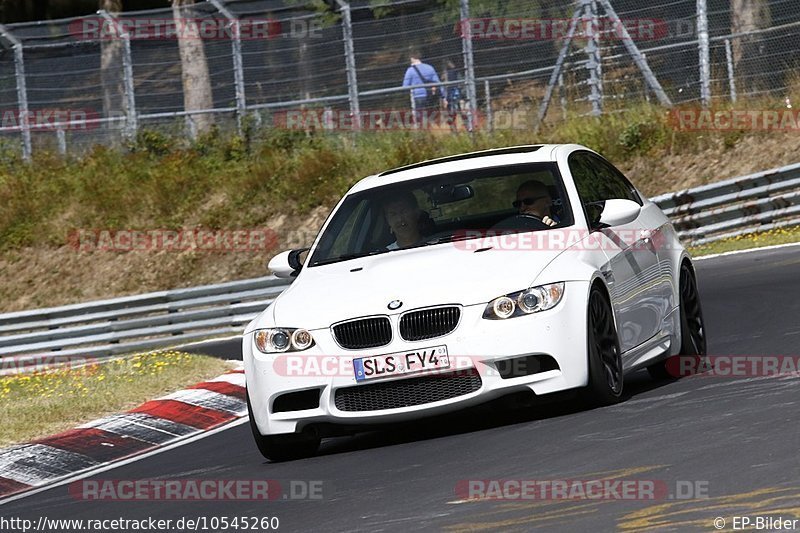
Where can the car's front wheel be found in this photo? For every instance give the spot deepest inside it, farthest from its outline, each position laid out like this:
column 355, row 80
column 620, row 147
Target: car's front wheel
column 693, row 330
column 282, row 447
column 605, row 359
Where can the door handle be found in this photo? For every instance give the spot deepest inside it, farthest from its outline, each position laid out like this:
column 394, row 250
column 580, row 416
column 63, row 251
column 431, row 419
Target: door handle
column 647, row 239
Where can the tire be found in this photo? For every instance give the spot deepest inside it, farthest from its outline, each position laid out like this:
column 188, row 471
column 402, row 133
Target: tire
column 282, row 447
column 693, row 333
column 606, row 378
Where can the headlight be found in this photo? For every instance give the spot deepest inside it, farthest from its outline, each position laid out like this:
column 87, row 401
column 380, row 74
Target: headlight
column 278, row 340
column 301, row 339
column 525, row 302
column 503, row 307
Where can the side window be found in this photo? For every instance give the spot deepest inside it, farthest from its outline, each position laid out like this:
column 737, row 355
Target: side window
column 590, row 187
column 615, row 185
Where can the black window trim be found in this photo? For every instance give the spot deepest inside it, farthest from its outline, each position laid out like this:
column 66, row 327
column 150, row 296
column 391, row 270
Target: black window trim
column 627, row 182
column 473, row 173
column 619, row 173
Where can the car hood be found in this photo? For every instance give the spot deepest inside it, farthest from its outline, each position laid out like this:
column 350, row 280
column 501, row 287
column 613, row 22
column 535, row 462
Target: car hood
column 419, row 277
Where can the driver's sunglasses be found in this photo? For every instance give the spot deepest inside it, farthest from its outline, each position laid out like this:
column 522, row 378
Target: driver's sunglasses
column 526, row 201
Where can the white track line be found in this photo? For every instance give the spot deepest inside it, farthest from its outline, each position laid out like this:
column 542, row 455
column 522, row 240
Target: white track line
column 40, row 463
column 207, row 399
column 93, row 471
column 236, row 378
column 208, row 341
column 748, row 250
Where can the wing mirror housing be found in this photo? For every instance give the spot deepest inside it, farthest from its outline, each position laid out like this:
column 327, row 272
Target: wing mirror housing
column 617, row 212
column 287, row 264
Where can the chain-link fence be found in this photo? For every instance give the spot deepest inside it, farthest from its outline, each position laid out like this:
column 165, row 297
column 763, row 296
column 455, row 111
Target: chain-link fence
column 105, row 78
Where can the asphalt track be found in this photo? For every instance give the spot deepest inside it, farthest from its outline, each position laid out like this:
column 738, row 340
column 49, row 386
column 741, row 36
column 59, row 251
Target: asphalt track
column 736, row 439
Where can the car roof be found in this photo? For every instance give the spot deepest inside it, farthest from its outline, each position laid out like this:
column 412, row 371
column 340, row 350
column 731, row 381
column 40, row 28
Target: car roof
column 514, row 155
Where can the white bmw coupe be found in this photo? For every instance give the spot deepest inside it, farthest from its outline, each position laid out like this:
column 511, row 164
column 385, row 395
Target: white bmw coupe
column 454, row 281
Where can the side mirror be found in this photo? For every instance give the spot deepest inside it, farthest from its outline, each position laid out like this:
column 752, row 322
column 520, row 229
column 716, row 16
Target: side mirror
column 617, row 212
column 287, row 264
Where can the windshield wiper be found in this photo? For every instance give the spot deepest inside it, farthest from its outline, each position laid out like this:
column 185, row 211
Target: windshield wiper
column 345, row 257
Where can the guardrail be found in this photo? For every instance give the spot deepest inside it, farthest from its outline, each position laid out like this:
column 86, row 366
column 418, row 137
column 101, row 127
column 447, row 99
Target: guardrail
column 756, row 202
column 133, row 323
column 738, row 206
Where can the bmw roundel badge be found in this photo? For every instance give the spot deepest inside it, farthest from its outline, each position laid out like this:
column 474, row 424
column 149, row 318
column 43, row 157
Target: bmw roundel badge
column 395, row 304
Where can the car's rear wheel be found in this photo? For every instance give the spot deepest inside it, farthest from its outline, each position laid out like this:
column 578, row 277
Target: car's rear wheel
column 605, row 360
column 282, row 447
column 693, row 332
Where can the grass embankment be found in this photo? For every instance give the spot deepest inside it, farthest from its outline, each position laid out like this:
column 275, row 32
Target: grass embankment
column 752, row 240
column 43, row 403
column 286, row 181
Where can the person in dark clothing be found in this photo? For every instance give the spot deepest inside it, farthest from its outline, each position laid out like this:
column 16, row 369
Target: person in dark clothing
column 454, row 97
column 418, row 73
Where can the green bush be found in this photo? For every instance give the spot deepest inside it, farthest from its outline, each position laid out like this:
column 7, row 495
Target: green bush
column 153, row 142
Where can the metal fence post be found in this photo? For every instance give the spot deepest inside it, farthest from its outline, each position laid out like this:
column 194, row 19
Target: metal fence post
column 469, row 64
column 729, row 60
column 61, row 138
column 633, row 50
column 22, row 92
column 131, row 120
column 594, row 64
column 489, row 115
column 705, row 62
column 350, row 62
column 562, row 55
column 238, row 67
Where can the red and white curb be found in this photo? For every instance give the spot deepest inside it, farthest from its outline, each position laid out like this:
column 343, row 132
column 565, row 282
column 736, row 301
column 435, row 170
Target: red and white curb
column 152, row 425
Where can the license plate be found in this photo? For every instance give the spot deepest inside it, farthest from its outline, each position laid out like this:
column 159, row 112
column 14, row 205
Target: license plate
column 401, row 363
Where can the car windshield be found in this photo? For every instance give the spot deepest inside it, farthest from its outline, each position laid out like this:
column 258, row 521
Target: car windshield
column 444, row 208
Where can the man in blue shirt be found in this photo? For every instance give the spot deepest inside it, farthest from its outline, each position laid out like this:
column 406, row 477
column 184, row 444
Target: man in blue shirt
column 417, row 74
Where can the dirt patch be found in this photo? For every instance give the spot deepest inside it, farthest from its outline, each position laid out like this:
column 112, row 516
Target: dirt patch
column 675, row 171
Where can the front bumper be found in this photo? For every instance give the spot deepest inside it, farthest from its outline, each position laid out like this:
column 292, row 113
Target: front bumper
column 476, row 344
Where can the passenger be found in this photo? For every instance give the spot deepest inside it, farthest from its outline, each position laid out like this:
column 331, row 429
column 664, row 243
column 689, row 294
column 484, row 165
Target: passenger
column 408, row 223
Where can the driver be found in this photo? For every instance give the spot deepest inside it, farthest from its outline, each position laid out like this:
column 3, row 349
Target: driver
column 405, row 219
column 533, row 200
